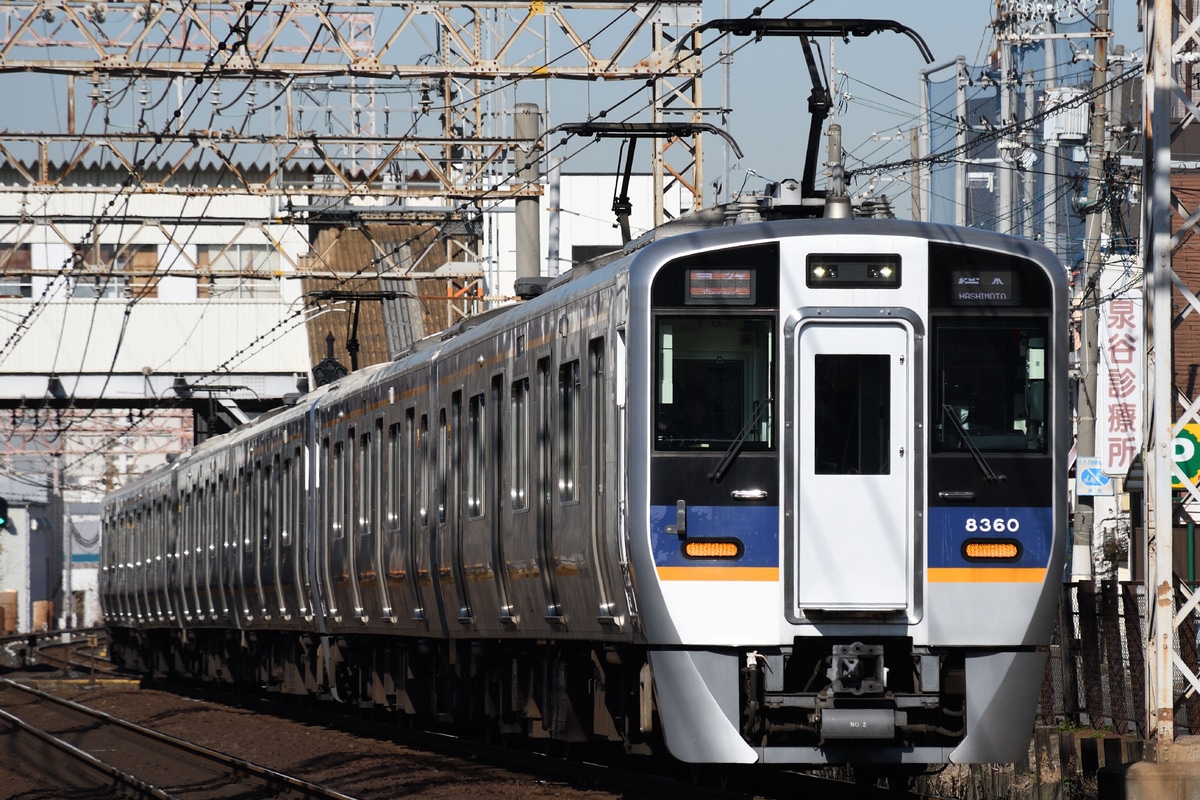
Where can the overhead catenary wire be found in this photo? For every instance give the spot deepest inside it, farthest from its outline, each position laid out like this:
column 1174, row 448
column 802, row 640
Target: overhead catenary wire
column 376, row 262
column 138, row 163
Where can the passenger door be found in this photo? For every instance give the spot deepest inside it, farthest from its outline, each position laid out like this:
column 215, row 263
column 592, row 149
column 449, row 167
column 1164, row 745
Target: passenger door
column 854, row 407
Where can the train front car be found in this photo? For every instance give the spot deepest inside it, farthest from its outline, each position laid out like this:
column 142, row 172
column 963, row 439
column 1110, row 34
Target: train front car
column 847, row 489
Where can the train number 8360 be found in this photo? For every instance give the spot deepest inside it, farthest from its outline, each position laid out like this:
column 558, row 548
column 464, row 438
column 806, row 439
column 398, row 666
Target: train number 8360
column 992, row 525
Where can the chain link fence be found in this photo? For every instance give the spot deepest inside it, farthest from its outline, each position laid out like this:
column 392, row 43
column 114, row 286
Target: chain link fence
column 1096, row 673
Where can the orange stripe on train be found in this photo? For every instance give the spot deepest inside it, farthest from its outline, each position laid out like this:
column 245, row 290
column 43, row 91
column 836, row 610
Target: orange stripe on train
column 987, row 574
column 718, row 573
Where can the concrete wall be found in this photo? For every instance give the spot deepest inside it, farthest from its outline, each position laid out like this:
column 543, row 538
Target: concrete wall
column 31, row 559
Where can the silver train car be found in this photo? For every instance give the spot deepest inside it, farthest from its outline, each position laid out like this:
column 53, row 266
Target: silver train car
column 789, row 492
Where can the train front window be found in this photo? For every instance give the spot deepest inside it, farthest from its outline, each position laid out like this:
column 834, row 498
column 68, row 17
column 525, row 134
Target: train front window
column 989, row 385
column 713, row 382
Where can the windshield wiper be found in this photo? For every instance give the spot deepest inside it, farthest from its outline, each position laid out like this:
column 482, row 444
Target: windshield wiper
column 984, row 467
column 735, row 446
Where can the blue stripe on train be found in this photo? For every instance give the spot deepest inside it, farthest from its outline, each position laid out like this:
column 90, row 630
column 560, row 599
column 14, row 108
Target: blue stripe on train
column 756, row 527
column 949, row 528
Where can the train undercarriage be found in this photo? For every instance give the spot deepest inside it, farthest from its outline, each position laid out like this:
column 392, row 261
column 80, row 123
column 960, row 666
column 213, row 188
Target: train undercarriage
column 844, row 695
column 574, row 692
column 829, row 691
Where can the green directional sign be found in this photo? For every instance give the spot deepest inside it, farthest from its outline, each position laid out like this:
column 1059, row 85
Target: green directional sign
column 1187, row 455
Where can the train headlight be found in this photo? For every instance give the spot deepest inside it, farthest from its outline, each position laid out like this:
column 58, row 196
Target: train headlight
column 991, row 550
column 824, row 272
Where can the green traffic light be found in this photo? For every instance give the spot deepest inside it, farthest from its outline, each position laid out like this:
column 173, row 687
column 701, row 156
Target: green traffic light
column 3, row 512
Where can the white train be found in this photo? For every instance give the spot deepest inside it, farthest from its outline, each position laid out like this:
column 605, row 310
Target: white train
column 789, row 492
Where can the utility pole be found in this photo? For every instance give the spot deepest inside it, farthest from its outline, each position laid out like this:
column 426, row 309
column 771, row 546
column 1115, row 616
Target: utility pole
column 1028, row 192
column 1085, row 439
column 1050, row 196
column 526, row 130
column 1004, row 208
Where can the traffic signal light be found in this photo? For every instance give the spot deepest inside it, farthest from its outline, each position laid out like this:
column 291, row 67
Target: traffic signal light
column 3, row 513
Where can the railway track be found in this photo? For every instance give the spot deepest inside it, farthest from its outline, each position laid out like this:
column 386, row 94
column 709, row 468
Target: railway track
column 80, row 651
column 604, row 771
column 143, row 762
column 625, row 777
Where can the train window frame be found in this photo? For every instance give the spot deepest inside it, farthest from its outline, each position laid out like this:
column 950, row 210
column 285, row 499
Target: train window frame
column 366, row 484
column 1012, row 434
column 455, row 441
column 569, row 382
column 411, row 472
column 218, row 514
column 519, row 425
column 376, row 473
column 395, row 473
column 476, row 431
column 853, row 409
column 243, row 510
column 200, row 498
column 266, row 503
column 441, row 468
column 335, row 491
column 421, row 460
column 494, row 458
column 301, row 494
column 276, row 485
column 287, row 501
column 689, row 429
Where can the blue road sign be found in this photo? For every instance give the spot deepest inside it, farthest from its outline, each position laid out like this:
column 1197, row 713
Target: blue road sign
column 1090, row 478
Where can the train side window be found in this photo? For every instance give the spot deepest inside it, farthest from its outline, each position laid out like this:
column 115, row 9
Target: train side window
column 266, row 501
column 713, row 381
column 184, row 529
column 519, row 425
column 276, row 506
column 367, row 469
column 376, row 474
column 244, row 510
column 413, row 504
column 299, row 495
column 337, row 491
column 568, row 405
column 474, row 471
column 394, row 472
column 287, row 502
column 441, row 470
column 223, row 529
column 422, row 460
column 452, row 498
column 200, row 513
column 495, row 442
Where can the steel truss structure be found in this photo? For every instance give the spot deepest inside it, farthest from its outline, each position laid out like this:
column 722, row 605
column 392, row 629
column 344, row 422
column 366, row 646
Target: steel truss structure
column 1171, row 35
column 347, row 98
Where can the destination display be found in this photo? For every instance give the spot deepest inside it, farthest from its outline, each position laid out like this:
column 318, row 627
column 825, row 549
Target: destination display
column 984, row 287
column 730, row 287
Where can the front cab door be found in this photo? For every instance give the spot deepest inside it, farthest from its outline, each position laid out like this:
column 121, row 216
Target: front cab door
column 854, row 525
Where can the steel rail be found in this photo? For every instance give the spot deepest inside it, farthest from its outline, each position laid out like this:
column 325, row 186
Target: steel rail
column 224, row 759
